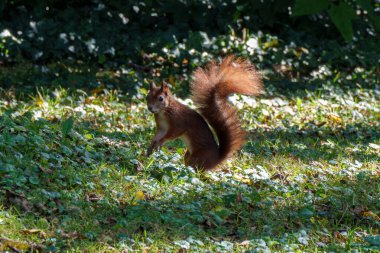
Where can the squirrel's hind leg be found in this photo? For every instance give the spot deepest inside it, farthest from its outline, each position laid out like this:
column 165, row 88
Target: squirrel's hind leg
column 187, row 158
column 191, row 161
column 204, row 161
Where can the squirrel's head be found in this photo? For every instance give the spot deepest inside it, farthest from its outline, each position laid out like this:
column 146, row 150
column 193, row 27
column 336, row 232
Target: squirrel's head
column 158, row 97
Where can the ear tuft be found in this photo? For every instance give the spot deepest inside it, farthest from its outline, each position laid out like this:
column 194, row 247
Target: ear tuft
column 152, row 86
column 165, row 86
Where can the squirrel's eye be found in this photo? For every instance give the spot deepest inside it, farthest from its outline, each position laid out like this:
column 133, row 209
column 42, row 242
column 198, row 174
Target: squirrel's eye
column 161, row 98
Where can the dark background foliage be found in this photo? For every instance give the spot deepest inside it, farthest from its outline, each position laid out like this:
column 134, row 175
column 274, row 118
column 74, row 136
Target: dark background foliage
column 134, row 35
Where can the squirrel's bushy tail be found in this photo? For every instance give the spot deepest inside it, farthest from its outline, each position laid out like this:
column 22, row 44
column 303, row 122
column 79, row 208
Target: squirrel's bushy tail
column 210, row 88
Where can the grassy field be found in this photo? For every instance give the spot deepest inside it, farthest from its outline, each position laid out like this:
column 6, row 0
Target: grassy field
column 74, row 127
column 74, row 178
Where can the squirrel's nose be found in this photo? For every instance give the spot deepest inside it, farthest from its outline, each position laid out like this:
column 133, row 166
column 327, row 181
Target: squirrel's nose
column 150, row 108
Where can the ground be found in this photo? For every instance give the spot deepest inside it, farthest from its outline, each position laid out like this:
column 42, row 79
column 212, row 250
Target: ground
column 74, row 176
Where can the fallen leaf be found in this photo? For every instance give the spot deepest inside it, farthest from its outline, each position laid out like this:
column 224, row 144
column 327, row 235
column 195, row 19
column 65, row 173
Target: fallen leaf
column 339, row 236
column 72, row 235
column 45, row 170
column 335, row 119
column 299, row 51
column 270, row 44
column 92, row 197
column 38, row 232
column 171, row 80
column 98, row 90
column 281, row 176
column 245, row 243
column 243, row 179
column 371, row 214
column 40, row 102
column 140, row 195
column 16, row 246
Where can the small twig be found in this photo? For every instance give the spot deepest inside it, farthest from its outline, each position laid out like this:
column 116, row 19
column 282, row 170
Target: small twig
column 139, row 67
column 13, row 248
column 344, row 213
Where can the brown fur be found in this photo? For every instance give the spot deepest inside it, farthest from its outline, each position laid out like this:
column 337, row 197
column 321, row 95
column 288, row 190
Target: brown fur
column 210, row 88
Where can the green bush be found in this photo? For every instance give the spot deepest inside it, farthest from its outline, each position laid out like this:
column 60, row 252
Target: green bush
column 109, row 32
column 341, row 12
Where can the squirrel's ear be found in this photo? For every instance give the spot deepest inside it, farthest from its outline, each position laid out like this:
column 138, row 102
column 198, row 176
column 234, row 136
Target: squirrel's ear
column 152, row 86
column 165, row 87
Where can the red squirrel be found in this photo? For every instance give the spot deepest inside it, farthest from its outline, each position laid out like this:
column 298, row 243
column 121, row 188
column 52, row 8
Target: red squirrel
column 210, row 89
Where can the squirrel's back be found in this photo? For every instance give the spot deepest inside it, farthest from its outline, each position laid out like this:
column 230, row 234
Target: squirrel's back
column 210, row 89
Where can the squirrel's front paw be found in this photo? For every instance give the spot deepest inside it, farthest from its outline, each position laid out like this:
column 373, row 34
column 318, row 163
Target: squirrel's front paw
column 149, row 151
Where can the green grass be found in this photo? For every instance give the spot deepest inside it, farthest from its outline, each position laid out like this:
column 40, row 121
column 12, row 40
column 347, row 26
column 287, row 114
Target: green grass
column 73, row 176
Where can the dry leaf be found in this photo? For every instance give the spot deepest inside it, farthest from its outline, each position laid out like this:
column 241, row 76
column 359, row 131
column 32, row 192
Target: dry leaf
column 243, row 179
column 16, row 246
column 334, row 118
column 92, row 197
column 138, row 196
column 72, row 235
column 45, row 170
column 171, row 80
column 98, row 90
column 371, row 214
column 34, row 231
column 245, row 243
